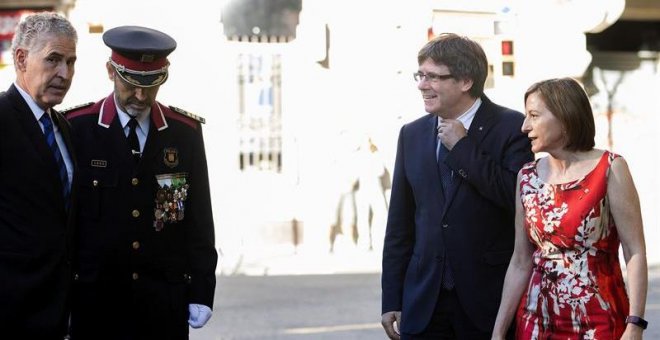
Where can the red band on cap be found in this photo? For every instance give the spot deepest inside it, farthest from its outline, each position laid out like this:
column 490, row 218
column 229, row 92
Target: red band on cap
column 135, row 65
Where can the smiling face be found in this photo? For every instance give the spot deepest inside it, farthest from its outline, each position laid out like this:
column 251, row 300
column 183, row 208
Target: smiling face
column 446, row 97
column 47, row 70
column 541, row 126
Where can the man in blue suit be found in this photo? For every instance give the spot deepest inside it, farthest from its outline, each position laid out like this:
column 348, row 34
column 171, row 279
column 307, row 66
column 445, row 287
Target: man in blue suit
column 450, row 229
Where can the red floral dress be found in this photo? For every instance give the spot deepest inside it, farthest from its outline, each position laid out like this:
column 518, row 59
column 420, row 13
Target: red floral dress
column 576, row 290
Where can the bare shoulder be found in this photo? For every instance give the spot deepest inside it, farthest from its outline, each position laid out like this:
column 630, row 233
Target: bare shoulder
column 619, row 164
column 619, row 173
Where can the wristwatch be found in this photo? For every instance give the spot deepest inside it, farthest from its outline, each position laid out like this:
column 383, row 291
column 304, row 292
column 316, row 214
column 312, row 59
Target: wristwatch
column 636, row 320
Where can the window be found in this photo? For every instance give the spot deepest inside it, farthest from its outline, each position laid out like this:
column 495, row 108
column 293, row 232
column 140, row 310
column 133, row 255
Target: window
column 260, row 112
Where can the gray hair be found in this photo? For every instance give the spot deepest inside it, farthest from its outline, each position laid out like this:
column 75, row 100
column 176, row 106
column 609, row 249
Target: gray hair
column 30, row 30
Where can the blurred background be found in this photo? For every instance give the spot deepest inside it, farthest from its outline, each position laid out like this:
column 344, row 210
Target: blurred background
column 304, row 100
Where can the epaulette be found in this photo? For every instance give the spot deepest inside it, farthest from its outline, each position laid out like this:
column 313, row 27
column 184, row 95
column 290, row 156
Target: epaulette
column 188, row 114
column 74, row 108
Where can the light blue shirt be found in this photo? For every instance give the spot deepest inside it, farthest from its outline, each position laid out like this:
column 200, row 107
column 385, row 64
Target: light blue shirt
column 142, row 129
column 38, row 112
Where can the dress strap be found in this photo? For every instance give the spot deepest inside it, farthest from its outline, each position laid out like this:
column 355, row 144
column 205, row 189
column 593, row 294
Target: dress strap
column 611, row 156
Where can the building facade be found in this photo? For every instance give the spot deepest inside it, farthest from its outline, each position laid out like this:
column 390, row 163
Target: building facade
column 304, row 99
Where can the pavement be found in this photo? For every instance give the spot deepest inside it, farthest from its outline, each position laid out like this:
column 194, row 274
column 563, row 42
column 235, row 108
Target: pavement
column 290, row 260
column 311, row 260
column 280, row 296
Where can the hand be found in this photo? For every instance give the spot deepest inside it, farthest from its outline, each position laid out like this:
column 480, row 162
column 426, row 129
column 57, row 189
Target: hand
column 450, row 131
column 387, row 320
column 198, row 315
column 632, row 332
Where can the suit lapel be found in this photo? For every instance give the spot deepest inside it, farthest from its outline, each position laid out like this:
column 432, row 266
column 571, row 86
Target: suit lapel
column 451, row 193
column 31, row 128
column 482, row 121
column 479, row 127
column 35, row 135
column 430, row 155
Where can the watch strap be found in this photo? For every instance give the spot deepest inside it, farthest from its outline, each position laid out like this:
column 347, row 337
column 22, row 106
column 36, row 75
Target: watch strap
column 636, row 320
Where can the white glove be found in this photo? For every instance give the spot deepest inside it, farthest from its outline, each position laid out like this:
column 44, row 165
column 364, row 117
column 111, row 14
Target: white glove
column 199, row 315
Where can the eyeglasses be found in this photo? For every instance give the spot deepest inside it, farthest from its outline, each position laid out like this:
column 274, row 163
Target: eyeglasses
column 431, row 77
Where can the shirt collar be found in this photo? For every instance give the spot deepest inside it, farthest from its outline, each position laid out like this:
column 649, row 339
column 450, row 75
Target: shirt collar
column 142, row 119
column 36, row 110
column 468, row 116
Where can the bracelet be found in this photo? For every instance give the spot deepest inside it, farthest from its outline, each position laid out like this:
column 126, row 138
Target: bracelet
column 636, row 320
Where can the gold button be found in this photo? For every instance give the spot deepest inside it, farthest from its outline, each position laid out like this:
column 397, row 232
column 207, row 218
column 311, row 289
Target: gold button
column 135, row 276
column 136, row 245
column 95, row 183
column 135, row 213
column 135, row 181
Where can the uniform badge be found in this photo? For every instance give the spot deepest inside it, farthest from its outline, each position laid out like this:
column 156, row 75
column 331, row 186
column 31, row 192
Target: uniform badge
column 170, row 199
column 171, row 157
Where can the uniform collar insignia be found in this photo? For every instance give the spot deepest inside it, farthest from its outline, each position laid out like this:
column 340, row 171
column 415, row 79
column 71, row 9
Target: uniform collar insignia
column 108, row 113
column 158, row 117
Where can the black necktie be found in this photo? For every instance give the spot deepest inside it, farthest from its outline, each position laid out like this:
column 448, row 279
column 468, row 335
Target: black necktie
column 49, row 133
column 133, row 142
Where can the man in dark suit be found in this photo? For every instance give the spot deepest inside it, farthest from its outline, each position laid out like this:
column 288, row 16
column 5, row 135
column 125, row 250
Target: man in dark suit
column 145, row 261
column 36, row 173
column 450, row 228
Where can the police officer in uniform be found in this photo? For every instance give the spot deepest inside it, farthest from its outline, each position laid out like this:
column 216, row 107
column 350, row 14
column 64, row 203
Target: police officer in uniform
column 146, row 259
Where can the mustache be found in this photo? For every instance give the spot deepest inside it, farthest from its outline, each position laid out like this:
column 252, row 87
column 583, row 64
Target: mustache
column 133, row 101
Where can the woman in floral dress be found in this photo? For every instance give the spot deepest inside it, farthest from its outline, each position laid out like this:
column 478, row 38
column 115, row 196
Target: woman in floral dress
column 577, row 206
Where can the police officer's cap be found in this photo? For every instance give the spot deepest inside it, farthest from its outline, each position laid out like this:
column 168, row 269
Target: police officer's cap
column 139, row 54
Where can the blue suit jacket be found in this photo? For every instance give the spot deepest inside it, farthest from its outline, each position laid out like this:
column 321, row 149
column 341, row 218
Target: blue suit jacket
column 472, row 228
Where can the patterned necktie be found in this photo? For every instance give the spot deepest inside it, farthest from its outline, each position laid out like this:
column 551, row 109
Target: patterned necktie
column 133, row 142
column 445, row 179
column 49, row 132
column 445, row 171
